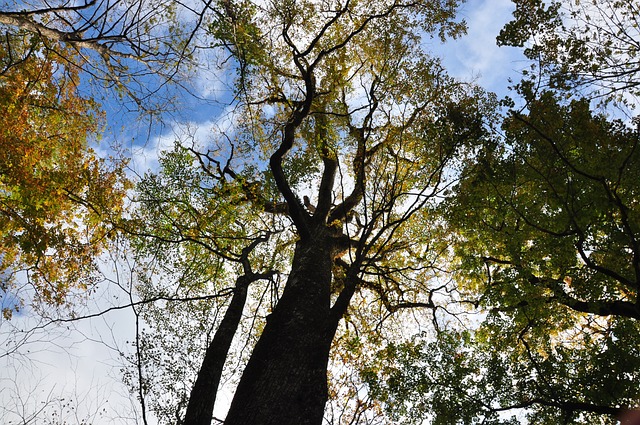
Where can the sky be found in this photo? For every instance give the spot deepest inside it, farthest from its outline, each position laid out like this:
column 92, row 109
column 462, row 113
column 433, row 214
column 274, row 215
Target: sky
column 476, row 57
column 79, row 362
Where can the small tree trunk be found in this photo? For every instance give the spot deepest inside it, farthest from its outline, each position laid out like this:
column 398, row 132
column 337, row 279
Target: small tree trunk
column 285, row 380
column 203, row 394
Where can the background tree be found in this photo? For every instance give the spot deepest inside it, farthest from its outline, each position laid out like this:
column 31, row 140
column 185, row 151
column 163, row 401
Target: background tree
column 134, row 47
column 53, row 187
column 52, row 184
column 588, row 47
column 545, row 226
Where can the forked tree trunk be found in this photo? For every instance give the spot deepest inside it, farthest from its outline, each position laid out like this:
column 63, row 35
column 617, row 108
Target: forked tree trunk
column 285, row 380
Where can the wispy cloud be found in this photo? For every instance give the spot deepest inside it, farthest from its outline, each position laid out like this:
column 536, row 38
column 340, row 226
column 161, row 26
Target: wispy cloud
column 476, row 56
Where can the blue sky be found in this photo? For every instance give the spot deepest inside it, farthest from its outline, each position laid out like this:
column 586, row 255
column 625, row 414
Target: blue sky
column 81, row 363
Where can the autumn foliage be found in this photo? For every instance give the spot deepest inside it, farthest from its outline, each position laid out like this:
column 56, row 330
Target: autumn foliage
column 54, row 191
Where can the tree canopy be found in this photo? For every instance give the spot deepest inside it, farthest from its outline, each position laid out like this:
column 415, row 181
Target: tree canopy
column 546, row 239
column 544, row 227
column 369, row 240
column 588, row 48
column 53, row 186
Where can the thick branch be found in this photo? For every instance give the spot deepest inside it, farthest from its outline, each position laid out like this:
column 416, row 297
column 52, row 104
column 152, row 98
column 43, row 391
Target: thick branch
column 571, row 406
column 351, row 282
column 597, row 307
column 325, row 196
column 73, row 38
column 296, row 210
column 203, row 394
column 341, row 211
column 602, row 307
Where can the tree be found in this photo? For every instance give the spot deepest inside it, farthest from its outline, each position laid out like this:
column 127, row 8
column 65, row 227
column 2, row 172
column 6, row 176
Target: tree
column 589, row 48
column 53, row 188
column 545, row 225
column 334, row 143
column 548, row 223
column 122, row 44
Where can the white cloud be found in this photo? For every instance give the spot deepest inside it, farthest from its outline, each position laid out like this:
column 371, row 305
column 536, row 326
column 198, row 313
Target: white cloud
column 145, row 157
column 476, row 55
column 213, row 79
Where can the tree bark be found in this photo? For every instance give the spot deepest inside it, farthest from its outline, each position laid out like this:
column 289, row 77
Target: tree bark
column 285, row 380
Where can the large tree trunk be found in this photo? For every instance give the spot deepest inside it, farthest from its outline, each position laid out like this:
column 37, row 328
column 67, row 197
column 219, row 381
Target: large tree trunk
column 285, row 380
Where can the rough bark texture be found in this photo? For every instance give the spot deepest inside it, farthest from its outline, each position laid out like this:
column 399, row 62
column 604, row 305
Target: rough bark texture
column 285, row 380
column 203, row 394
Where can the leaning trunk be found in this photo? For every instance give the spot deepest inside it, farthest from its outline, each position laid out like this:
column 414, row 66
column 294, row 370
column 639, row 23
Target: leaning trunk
column 285, row 380
column 203, row 394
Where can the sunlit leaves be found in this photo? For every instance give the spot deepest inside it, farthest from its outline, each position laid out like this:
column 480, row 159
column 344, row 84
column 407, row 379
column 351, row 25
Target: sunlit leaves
column 55, row 194
column 561, row 209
